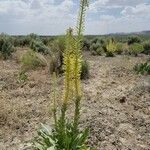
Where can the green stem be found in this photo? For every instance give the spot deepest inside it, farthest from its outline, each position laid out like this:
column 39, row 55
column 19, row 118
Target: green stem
column 81, row 13
column 54, row 98
column 76, row 114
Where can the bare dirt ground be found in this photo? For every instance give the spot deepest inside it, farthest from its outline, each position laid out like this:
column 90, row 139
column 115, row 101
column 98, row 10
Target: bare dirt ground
column 116, row 104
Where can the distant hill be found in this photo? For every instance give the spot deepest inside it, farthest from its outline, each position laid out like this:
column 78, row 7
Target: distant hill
column 135, row 33
column 143, row 32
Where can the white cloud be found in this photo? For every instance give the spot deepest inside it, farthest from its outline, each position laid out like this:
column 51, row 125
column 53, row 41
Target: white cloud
column 55, row 16
column 137, row 11
column 97, row 5
column 40, row 16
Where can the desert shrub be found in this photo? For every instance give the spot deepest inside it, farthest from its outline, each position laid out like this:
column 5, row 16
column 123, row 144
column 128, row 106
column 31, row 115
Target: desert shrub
column 146, row 46
column 84, row 70
column 86, row 44
column 100, row 50
column 57, row 48
column 143, row 68
column 119, row 48
column 6, row 47
column 55, row 63
column 110, row 47
column 58, row 45
column 22, row 77
column 38, row 46
column 33, row 36
column 32, row 60
column 96, row 49
column 20, row 41
column 94, row 40
column 134, row 39
column 135, row 49
column 45, row 41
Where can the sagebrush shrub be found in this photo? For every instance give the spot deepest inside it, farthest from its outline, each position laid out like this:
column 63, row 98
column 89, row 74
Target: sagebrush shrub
column 110, row 47
column 86, row 44
column 96, row 49
column 119, row 48
column 38, row 46
column 32, row 60
column 55, row 63
column 22, row 77
column 146, row 46
column 21, row 41
column 143, row 68
column 84, row 70
column 6, row 47
column 134, row 39
column 135, row 49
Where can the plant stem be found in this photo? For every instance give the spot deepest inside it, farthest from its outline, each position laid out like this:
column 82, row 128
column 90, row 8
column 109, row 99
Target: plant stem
column 76, row 114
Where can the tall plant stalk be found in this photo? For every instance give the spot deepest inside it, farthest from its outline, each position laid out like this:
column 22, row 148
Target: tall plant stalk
column 66, row 135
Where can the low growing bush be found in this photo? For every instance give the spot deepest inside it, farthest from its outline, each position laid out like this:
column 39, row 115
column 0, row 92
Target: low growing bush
column 6, row 47
column 38, row 46
column 146, row 46
column 84, row 70
column 86, row 44
column 135, row 49
column 143, row 68
column 32, row 60
column 96, row 49
column 119, row 48
column 55, row 63
column 134, row 39
column 22, row 77
column 110, row 47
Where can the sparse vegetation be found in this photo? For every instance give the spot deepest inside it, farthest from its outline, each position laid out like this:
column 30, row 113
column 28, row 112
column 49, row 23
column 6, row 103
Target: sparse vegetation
column 32, row 60
column 133, row 40
column 143, row 68
column 22, row 77
column 38, row 46
column 110, row 47
column 146, row 46
column 84, row 70
column 135, row 49
column 119, row 48
column 6, row 47
column 71, row 85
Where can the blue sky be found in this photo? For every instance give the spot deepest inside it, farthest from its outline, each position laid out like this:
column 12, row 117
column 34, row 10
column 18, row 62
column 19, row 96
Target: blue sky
column 51, row 17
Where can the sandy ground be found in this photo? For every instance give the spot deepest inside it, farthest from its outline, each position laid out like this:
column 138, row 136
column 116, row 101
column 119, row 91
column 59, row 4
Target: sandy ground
column 116, row 104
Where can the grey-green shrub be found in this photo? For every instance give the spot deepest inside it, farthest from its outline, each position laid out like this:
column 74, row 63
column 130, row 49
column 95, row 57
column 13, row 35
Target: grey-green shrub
column 143, row 68
column 84, row 70
column 96, row 49
column 38, row 46
column 134, row 39
column 22, row 77
column 135, row 49
column 32, row 60
column 55, row 63
column 119, row 48
column 146, row 46
column 6, row 47
column 110, row 47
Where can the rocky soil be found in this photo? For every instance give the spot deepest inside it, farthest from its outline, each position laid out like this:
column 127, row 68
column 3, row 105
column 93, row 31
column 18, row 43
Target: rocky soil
column 116, row 104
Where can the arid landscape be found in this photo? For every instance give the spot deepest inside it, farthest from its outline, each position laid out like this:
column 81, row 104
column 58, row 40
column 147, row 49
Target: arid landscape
column 115, row 106
column 74, row 75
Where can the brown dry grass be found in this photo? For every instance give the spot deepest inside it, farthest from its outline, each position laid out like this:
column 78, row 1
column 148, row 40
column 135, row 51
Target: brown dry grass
column 115, row 105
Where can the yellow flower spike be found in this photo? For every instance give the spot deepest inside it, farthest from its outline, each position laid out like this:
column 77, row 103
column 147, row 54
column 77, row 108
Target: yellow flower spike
column 68, row 65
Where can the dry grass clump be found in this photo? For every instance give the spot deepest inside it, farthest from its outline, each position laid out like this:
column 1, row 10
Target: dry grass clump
column 32, row 60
